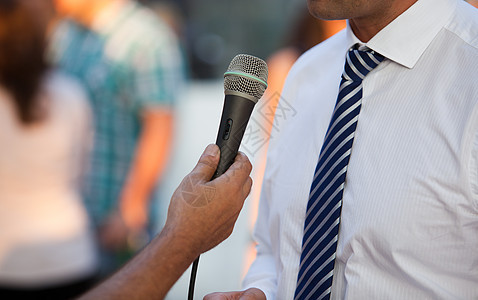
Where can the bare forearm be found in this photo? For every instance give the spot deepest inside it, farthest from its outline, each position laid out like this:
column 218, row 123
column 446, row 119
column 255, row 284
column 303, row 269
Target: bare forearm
column 151, row 273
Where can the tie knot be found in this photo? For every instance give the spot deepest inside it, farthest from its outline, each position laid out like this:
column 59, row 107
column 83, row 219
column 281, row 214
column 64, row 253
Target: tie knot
column 359, row 63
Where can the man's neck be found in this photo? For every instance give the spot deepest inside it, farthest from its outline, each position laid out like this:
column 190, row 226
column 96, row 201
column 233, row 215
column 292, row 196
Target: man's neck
column 367, row 27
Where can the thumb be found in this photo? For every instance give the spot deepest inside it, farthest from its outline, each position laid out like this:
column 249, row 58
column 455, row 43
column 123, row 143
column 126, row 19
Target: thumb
column 207, row 163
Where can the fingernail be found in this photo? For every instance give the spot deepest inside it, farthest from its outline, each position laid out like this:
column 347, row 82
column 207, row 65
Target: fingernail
column 212, row 150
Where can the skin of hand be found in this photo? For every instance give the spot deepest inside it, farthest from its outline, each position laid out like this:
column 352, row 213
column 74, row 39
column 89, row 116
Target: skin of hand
column 249, row 294
column 197, row 201
column 202, row 213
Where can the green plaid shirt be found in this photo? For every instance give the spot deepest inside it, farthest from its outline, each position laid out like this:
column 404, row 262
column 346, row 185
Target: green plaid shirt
column 128, row 63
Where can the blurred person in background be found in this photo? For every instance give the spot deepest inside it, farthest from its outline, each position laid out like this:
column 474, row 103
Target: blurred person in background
column 171, row 14
column 131, row 66
column 473, row 2
column 46, row 249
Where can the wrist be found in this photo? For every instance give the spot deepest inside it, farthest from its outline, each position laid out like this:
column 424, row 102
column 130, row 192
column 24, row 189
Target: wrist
column 180, row 240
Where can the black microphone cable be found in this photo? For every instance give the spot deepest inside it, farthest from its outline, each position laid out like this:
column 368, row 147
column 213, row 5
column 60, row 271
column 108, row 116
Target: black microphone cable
column 192, row 280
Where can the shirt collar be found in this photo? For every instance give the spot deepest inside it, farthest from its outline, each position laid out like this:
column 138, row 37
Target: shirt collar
column 406, row 38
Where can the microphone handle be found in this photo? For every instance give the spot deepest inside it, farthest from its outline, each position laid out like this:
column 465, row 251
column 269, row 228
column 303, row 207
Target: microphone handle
column 235, row 115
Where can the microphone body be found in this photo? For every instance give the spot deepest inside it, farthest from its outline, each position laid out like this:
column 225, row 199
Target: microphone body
column 244, row 84
column 236, row 113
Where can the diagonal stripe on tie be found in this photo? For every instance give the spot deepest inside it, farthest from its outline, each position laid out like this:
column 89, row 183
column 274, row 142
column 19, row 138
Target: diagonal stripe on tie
column 322, row 219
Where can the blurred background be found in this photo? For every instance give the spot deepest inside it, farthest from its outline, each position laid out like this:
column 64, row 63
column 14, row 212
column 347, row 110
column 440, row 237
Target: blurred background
column 118, row 99
column 105, row 106
column 214, row 31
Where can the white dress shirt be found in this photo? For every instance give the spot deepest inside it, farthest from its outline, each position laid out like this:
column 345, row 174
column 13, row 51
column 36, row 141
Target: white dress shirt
column 409, row 223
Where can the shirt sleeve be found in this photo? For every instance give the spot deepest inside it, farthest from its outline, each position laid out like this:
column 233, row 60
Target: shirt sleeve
column 262, row 273
column 157, row 71
column 473, row 158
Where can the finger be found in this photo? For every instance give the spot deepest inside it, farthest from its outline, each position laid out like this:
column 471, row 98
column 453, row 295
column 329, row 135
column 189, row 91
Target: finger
column 207, row 164
column 244, row 162
column 253, row 294
column 223, row 296
column 246, row 189
column 238, row 172
column 214, row 296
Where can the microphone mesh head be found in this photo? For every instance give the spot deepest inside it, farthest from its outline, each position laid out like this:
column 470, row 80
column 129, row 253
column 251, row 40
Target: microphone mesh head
column 246, row 74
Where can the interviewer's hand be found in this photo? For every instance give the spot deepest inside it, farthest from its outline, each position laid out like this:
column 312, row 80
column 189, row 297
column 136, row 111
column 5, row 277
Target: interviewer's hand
column 202, row 212
column 250, row 294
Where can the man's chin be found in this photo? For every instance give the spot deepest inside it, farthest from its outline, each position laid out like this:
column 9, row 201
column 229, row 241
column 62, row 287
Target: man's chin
column 325, row 9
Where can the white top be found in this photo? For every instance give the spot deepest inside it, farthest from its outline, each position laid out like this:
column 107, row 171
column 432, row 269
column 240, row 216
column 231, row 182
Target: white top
column 44, row 236
column 409, row 225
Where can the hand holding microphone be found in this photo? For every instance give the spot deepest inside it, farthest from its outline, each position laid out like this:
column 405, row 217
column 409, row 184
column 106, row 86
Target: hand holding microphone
column 197, row 219
column 245, row 81
column 201, row 214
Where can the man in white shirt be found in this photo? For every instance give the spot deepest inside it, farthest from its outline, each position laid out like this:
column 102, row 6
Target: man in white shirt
column 409, row 218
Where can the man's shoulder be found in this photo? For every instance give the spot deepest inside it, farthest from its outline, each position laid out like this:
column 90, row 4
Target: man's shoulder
column 71, row 39
column 319, row 58
column 465, row 24
column 142, row 35
column 144, row 26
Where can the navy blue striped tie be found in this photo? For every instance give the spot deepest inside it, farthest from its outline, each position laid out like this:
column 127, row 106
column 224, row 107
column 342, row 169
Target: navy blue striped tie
column 325, row 199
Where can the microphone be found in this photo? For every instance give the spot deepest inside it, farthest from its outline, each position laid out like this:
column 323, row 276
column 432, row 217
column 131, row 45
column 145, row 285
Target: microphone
column 245, row 81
